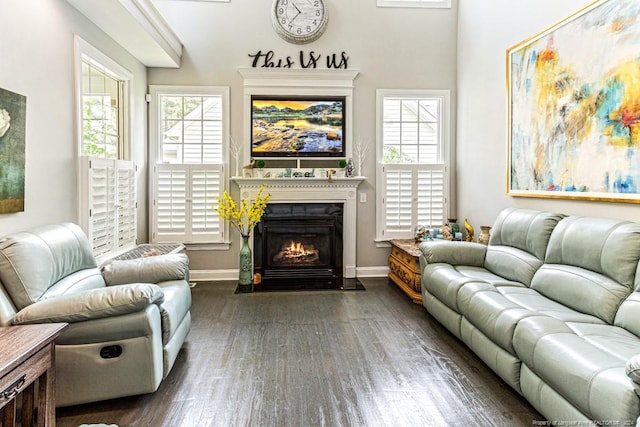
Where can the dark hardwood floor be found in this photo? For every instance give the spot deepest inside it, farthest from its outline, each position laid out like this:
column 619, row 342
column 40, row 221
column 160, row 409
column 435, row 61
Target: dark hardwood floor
column 316, row 358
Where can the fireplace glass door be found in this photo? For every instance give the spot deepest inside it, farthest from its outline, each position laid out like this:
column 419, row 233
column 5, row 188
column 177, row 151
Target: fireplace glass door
column 308, row 247
column 299, row 245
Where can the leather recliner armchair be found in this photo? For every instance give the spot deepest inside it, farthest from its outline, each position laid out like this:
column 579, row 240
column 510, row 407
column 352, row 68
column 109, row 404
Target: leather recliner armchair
column 127, row 321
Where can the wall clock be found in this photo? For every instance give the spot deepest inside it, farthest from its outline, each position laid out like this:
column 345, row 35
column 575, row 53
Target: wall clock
column 299, row 21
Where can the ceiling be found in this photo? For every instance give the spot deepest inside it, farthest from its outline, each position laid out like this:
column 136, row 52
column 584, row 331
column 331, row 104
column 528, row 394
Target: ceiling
column 138, row 27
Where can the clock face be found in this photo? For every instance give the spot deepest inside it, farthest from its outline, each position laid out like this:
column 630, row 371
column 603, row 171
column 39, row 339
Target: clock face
column 299, row 21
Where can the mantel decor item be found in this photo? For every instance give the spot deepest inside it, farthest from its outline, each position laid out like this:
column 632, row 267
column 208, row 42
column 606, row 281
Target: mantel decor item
column 243, row 217
column 574, row 115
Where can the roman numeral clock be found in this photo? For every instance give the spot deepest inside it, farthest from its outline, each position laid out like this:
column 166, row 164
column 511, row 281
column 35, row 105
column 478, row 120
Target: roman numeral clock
column 299, row 21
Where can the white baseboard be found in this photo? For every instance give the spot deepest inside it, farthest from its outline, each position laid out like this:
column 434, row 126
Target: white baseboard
column 381, row 271
column 212, row 275
column 219, row 275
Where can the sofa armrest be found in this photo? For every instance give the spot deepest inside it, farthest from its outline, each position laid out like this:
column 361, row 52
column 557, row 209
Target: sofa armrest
column 152, row 269
column 92, row 304
column 632, row 368
column 454, row 253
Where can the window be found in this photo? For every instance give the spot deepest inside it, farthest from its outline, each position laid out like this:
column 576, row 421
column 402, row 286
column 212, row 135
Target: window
column 101, row 110
column 188, row 130
column 107, row 208
column 412, row 148
column 441, row 4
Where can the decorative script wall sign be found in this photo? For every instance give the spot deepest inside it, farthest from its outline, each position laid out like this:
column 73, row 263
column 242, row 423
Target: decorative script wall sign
column 309, row 59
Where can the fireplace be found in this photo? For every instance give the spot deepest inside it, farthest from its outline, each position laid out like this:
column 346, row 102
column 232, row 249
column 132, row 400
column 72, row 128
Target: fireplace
column 299, row 246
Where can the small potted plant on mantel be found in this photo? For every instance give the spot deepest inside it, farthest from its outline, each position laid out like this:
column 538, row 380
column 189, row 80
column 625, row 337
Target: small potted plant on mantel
column 258, row 165
column 340, row 173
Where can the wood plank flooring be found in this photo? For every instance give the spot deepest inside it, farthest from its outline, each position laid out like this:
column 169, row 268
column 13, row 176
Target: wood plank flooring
column 316, row 358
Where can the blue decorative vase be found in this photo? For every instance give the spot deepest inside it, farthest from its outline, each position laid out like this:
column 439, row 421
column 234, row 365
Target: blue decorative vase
column 351, row 169
column 245, row 280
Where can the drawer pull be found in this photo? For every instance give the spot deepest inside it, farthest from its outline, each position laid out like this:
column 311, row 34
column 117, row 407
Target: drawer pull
column 13, row 390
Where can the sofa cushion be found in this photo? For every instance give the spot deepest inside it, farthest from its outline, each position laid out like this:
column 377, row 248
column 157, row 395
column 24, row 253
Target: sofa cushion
column 93, row 304
column 628, row 315
column 585, row 363
column 512, row 263
column 518, row 242
column 581, row 289
column 590, row 264
column 496, row 311
column 444, row 281
column 83, row 280
column 60, row 250
column 632, row 368
column 176, row 305
column 152, row 269
column 525, row 229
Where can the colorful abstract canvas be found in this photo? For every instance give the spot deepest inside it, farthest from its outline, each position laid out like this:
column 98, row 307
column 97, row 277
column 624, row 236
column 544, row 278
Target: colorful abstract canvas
column 574, row 107
column 13, row 111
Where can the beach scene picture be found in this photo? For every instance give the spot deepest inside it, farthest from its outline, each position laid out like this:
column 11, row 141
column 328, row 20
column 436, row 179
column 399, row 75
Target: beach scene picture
column 297, row 126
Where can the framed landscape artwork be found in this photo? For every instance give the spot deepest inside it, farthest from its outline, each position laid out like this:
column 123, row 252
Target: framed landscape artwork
column 13, row 110
column 574, row 107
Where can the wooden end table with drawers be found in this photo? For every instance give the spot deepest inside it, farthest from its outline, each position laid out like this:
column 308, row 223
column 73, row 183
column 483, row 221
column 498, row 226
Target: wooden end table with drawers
column 27, row 371
column 404, row 267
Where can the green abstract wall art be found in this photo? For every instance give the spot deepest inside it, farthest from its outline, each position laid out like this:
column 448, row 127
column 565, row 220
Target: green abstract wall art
column 13, row 111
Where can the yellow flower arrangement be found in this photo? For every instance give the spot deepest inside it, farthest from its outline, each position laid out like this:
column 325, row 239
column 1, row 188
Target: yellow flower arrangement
column 245, row 216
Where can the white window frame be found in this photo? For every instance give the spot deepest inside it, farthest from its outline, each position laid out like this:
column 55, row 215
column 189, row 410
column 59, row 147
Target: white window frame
column 84, row 48
column 428, row 4
column 123, row 212
column 189, row 236
column 416, row 171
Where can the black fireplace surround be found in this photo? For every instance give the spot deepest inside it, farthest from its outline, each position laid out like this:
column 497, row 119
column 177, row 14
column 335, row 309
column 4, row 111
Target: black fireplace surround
column 299, row 246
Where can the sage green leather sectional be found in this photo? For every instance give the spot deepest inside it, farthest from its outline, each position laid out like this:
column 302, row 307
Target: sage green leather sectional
column 127, row 320
column 552, row 305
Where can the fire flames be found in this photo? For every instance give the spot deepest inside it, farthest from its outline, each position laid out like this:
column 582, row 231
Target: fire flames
column 295, row 249
column 295, row 253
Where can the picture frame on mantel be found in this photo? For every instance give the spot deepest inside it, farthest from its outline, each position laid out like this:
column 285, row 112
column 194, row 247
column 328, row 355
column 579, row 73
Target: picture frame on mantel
column 574, row 109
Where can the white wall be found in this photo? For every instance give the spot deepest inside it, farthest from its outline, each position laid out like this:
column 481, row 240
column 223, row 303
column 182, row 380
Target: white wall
column 37, row 60
column 392, row 48
column 486, row 29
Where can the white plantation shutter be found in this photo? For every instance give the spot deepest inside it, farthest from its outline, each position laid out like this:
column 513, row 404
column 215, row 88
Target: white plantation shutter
column 185, row 203
column 412, row 175
column 102, row 185
column 431, row 200
column 126, row 205
column 171, row 202
column 108, row 190
column 398, row 203
column 412, row 196
column 205, row 189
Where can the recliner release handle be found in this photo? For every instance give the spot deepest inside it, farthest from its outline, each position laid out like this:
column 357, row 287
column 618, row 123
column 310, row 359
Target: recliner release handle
column 111, row 351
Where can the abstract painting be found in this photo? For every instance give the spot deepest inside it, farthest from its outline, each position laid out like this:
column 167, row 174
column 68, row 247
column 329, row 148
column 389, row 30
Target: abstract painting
column 13, row 111
column 574, row 107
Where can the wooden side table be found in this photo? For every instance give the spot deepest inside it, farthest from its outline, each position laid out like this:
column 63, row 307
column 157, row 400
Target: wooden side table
column 404, row 267
column 27, row 354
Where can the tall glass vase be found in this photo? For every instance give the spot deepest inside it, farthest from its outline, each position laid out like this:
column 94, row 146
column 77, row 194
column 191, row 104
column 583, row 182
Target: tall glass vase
column 245, row 280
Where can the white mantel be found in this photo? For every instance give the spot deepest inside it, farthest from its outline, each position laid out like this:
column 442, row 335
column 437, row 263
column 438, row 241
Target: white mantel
column 315, row 190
